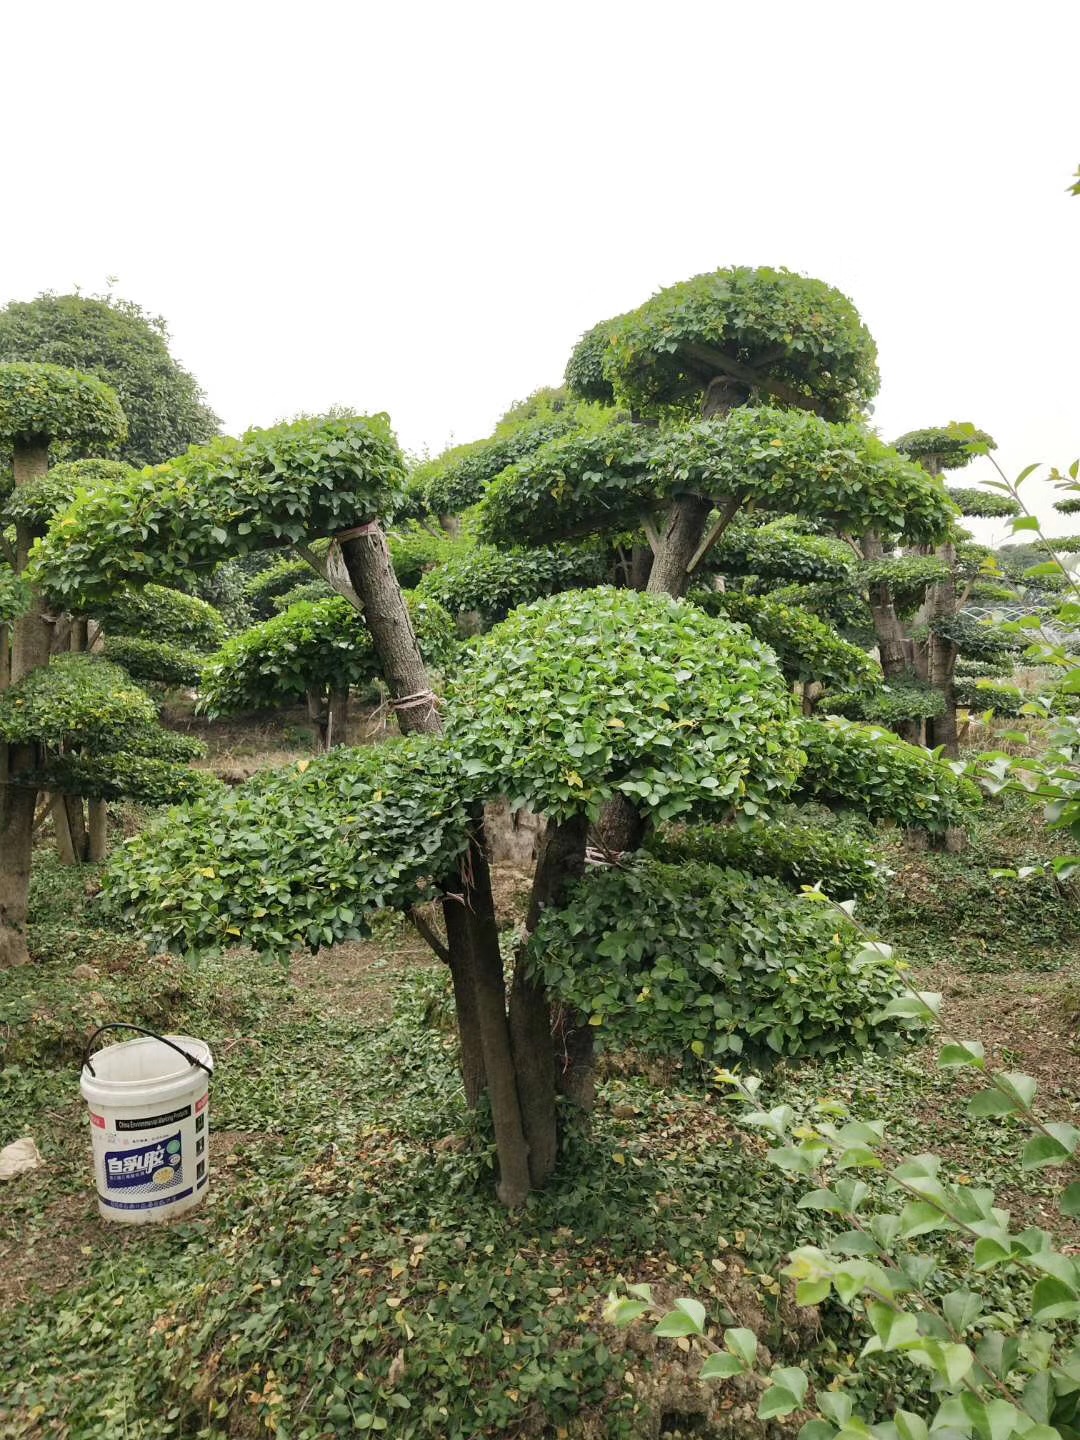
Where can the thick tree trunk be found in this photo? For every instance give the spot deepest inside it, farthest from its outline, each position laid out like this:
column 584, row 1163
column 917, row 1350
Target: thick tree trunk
column 568, row 1051
column 97, row 838
column 471, row 1044
column 895, row 650
column 17, row 804
column 679, row 542
column 337, row 719
column 620, row 826
column 70, row 826
column 641, row 561
column 30, row 638
column 473, row 940
column 472, row 935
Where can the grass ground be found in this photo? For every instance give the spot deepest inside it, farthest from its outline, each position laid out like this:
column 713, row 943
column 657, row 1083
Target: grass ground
column 349, row 1270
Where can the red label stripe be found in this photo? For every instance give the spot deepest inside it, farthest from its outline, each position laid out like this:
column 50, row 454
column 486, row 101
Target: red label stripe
column 98, row 1120
column 202, row 1104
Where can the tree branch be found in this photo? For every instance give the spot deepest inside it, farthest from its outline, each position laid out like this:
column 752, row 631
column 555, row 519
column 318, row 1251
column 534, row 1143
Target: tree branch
column 428, row 934
column 730, row 510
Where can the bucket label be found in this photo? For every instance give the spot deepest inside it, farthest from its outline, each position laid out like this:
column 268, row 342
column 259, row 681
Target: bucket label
column 151, row 1122
column 148, row 1169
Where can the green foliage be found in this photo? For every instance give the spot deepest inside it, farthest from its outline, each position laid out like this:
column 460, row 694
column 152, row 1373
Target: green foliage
column 592, row 693
column 314, row 646
column 42, row 403
column 1003, row 665
column 265, row 586
column 795, row 462
column 117, row 341
column 144, row 779
column 573, row 486
column 973, row 501
column 297, row 857
column 1068, row 506
column 787, row 329
column 947, row 447
column 779, row 551
column 456, row 480
column 692, row 958
column 38, row 501
column 154, row 660
column 807, row 648
column 269, row 489
column 15, row 595
column 585, row 375
column 870, row 770
column 976, row 639
column 75, row 699
column 312, row 589
column 788, row 850
column 838, row 604
column 494, row 581
column 896, row 703
column 986, row 1348
column 907, row 577
column 979, row 694
column 169, row 616
column 414, row 550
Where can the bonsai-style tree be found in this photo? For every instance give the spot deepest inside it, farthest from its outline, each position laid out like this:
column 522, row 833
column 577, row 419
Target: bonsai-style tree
column 39, row 405
column 117, row 341
column 318, row 651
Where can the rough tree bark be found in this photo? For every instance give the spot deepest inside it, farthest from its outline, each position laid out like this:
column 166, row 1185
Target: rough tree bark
column 30, row 637
column 895, row 650
column 468, row 909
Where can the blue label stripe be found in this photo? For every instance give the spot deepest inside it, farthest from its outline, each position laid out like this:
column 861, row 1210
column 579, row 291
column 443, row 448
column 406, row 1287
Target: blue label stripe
column 144, row 1204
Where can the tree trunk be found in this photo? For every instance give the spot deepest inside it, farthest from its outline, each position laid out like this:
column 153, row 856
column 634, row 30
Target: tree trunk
column 471, row 1044
column 78, row 638
column 472, row 936
column 620, row 826
column 678, row 545
column 473, row 939
column 70, row 827
column 641, row 561
column 17, row 804
column 337, row 726
column 567, row 1050
column 895, row 650
column 98, row 831
column 30, row 637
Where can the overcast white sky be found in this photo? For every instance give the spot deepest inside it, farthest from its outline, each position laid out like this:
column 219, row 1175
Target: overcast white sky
column 419, row 207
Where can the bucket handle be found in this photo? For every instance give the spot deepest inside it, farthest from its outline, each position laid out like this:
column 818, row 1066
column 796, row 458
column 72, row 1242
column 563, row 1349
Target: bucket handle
column 123, row 1025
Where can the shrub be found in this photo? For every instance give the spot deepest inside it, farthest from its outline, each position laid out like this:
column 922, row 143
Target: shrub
column 593, row 693
column 296, row 857
column 39, row 500
column 807, row 648
column 797, row 854
column 75, row 699
column 781, row 551
column 976, row 694
column 415, row 550
column 495, row 581
column 47, row 402
column 313, row 646
column 897, row 703
column 696, row 959
column 907, row 577
column 261, row 589
column 153, row 661
column 870, row 770
column 167, row 615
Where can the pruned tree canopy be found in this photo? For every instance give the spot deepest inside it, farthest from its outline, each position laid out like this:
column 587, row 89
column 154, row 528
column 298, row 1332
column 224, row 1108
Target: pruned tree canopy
column 43, row 403
column 119, row 343
column 269, row 488
column 785, row 336
column 945, row 447
column 600, row 692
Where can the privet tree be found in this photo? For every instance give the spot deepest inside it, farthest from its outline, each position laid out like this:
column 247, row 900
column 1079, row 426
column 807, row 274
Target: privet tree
column 120, row 343
column 39, row 405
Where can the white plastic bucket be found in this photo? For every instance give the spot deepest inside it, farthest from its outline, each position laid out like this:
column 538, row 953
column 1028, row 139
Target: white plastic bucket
column 150, row 1125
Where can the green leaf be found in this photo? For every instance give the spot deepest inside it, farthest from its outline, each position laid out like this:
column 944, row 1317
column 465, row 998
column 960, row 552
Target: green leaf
column 1043, row 1150
column 624, row 1312
column 1069, row 1201
column 967, row 1052
column 835, row 1404
column 892, row 1328
column 721, row 1365
column 992, row 1102
column 676, row 1323
column 694, row 1311
column 910, row 1426
column 1052, row 1299
column 962, row 1308
column 920, row 1217
column 743, row 1343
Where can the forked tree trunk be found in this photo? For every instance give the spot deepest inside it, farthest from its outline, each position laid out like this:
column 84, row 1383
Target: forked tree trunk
column 895, row 650
column 30, row 636
column 472, row 935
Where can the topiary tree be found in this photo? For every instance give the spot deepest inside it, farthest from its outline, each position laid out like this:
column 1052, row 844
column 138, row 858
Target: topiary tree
column 120, row 343
column 39, row 404
column 316, row 651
